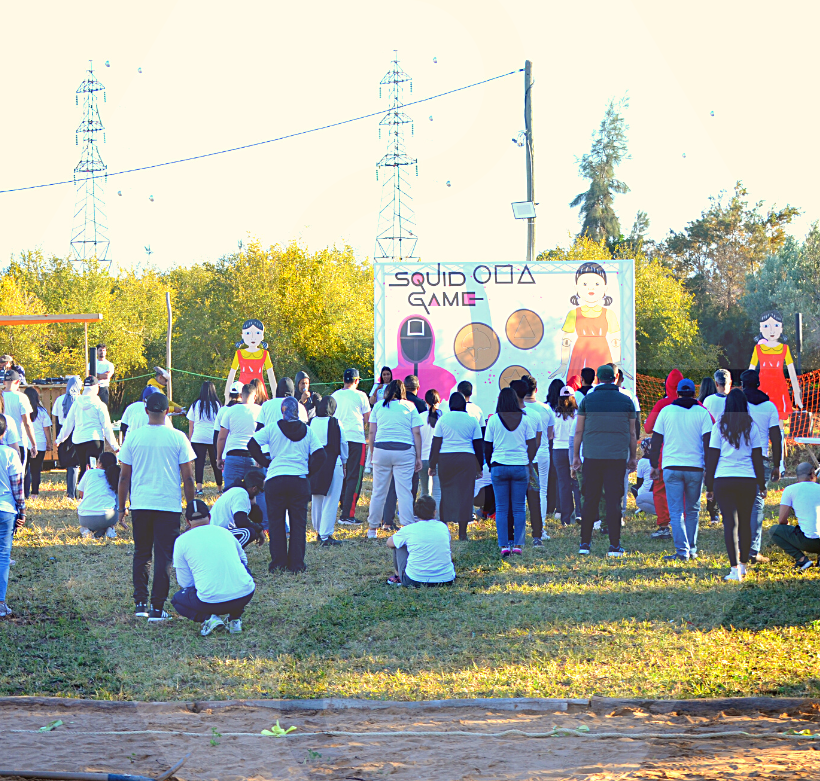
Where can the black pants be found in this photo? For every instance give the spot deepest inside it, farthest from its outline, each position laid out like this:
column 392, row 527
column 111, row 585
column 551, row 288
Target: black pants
column 34, row 468
column 203, row 449
column 154, row 533
column 553, row 492
column 187, row 603
column 86, row 450
column 291, row 494
column 356, row 455
column 247, row 532
column 607, row 475
column 736, row 498
column 103, row 394
column 456, row 474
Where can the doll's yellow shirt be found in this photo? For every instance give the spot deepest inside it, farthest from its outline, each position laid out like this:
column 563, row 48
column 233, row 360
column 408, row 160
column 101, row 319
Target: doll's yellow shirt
column 252, row 355
column 592, row 311
column 774, row 351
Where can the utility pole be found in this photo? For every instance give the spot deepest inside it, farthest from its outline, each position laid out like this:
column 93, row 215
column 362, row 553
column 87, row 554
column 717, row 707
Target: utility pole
column 530, row 171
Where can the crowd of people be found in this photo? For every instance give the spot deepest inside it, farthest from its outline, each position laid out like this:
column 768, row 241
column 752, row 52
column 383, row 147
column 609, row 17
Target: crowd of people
column 437, row 459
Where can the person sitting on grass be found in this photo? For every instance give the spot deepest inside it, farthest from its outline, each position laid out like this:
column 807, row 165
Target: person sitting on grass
column 421, row 550
column 803, row 499
column 97, row 510
column 212, row 570
column 236, row 510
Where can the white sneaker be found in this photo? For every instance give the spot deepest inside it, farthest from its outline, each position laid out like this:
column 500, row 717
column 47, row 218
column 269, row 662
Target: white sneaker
column 85, row 532
column 367, row 470
column 111, row 533
column 556, row 516
column 235, row 626
column 371, row 534
column 596, row 525
column 735, row 574
column 214, row 622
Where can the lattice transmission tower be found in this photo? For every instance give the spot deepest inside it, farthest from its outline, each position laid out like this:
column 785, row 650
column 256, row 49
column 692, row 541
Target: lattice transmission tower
column 396, row 238
column 89, row 237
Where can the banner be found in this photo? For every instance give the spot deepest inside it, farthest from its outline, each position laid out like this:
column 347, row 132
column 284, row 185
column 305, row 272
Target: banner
column 492, row 323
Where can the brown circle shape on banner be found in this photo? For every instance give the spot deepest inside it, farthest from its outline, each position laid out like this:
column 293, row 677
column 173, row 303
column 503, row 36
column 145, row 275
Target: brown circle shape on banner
column 477, row 347
column 525, row 329
column 509, row 374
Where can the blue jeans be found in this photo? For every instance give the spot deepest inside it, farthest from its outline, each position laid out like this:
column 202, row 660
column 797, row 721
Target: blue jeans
column 6, row 530
column 757, row 512
column 71, row 476
column 236, row 467
column 683, row 497
column 510, row 486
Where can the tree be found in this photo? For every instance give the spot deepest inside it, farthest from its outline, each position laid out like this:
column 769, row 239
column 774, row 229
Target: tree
column 609, row 148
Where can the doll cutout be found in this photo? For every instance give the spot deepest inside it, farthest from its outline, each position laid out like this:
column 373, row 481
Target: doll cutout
column 252, row 360
column 770, row 355
column 591, row 333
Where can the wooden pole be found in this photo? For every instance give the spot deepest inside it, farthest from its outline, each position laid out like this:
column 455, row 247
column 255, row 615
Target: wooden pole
column 530, row 165
column 168, row 343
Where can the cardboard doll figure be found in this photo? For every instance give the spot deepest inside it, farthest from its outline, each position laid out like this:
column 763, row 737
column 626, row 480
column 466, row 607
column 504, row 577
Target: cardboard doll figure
column 770, row 356
column 252, row 359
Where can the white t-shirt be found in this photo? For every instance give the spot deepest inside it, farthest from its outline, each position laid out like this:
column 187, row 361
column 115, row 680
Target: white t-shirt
column 644, row 472
column 351, row 407
column 240, row 420
column 234, row 500
column 547, row 421
column 97, row 494
column 683, row 431
column 483, row 481
column 12, row 435
column 88, row 420
column 287, row 457
column 804, row 499
column 210, row 559
column 17, row 405
column 203, row 425
column 135, row 416
column 474, row 411
column 733, row 463
column 40, row 424
column 564, row 429
column 220, row 415
column 427, row 434
column 57, row 409
column 10, row 466
column 396, row 421
column 715, row 404
column 457, row 431
column 319, row 427
column 102, row 367
column 428, row 551
column 765, row 416
column 272, row 412
column 510, row 447
column 155, row 454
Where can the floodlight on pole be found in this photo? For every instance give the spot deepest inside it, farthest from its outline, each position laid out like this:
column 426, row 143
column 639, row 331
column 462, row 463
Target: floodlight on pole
column 523, row 210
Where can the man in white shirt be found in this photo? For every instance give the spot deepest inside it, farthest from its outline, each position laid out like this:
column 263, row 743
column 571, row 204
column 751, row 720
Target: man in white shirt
column 473, row 410
column 18, row 407
column 213, row 571
column 237, row 511
column 105, row 371
column 136, row 417
column 353, row 414
column 152, row 459
column 716, row 403
column 542, row 457
column 803, row 499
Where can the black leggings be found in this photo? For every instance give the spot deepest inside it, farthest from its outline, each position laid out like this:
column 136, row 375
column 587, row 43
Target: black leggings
column 202, row 449
column 86, row 450
column 736, row 497
column 34, row 468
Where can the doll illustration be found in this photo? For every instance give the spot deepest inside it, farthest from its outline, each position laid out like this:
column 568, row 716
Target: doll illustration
column 416, row 349
column 252, row 360
column 770, row 355
column 591, row 332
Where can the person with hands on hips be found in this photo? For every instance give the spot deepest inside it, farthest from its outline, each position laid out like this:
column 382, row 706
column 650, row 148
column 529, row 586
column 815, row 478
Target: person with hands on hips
column 385, row 378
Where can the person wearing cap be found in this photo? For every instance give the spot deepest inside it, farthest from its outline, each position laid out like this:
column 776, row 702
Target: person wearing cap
column 153, row 458
column 88, row 425
column 683, row 429
column 605, row 427
column 17, row 406
column 803, row 500
column 326, row 484
column 105, row 371
column 237, row 511
column 353, row 414
column 135, row 416
column 212, row 570
column 12, row 509
column 766, row 416
column 160, row 382
column 569, row 493
column 295, row 454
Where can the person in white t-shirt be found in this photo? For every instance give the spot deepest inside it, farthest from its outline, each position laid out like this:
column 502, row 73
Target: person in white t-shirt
column 105, row 371
column 41, row 423
column 237, row 427
column 17, row 405
column 734, row 475
column 326, row 484
column 803, row 500
column 12, row 509
column 717, row 401
column 212, row 570
column 153, row 458
column 97, row 511
column 429, row 485
column 237, row 510
column 538, row 416
column 60, row 409
column 544, row 454
column 353, row 414
column 473, row 410
column 201, row 419
column 135, row 416
column 421, row 550
column 569, row 492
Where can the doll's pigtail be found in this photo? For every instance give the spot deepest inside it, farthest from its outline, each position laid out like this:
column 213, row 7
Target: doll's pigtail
column 607, row 300
column 574, row 300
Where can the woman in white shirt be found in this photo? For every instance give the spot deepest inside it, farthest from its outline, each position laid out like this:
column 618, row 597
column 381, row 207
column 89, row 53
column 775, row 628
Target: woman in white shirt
column 201, row 418
column 66, row 455
column 97, row 510
column 395, row 447
column 457, row 453
column 41, row 423
column 734, row 475
column 509, row 447
column 569, row 494
column 377, row 393
column 429, row 485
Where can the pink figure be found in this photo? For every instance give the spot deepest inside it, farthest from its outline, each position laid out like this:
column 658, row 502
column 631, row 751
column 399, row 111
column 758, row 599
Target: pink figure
column 416, row 351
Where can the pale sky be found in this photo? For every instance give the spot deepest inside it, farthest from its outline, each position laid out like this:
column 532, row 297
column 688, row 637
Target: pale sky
column 217, row 75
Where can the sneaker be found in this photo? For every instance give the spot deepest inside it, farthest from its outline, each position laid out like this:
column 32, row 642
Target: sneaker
column 141, row 610
column 556, row 516
column 5, row 610
column 199, row 492
column 235, row 626
column 615, row 552
column 759, row 558
column 505, row 552
column 675, row 557
column 111, row 533
column 394, row 580
column 536, row 542
column 329, row 542
column 735, row 574
column 85, row 532
column 804, row 563
column 157, row 614
column 662, row 533
column 517, row 551
column 350, row 521
column 214, row 622
column 371, row 534
column 714, row 520
column 584, row 549
column 367, row 470
column 596, row 525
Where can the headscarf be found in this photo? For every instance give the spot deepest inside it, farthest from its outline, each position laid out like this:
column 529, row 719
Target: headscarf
column 326, row 408
column 290, row 408
column 73, row 388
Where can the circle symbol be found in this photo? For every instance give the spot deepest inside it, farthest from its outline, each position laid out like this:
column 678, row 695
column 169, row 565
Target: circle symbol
column 509, row 374
column 525, row 329
column 477, row 347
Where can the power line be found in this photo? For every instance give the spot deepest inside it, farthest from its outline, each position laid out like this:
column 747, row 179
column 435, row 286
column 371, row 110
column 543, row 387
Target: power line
column 270, row 140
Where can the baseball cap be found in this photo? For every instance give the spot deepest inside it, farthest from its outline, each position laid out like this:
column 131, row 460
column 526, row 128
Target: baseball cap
column 197, row 509
column 5, row 358
column 11, row 376
column 89, row 381
column 804, row 468
column 686, row 385
column 236, row 388
column 751, row 378
column 566, row 391
column 156, row 402
column 163, row 372
column 605, row 373
column 351, row 374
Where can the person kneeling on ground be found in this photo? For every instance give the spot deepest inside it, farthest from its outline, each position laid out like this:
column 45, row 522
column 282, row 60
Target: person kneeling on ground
column 97, row 510
column 236, row 510
column 213, row 571
column 803, row 499
column 421, row 550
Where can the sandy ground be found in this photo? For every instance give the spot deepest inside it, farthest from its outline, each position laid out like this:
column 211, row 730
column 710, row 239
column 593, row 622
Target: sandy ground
column 215, row 754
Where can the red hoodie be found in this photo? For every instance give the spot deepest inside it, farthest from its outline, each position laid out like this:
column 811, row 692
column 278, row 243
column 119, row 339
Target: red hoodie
column 671, row 394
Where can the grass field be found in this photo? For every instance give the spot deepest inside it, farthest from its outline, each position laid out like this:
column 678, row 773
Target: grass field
column 549, row 623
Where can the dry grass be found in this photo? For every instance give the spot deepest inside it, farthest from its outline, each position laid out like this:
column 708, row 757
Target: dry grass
column 547, row 624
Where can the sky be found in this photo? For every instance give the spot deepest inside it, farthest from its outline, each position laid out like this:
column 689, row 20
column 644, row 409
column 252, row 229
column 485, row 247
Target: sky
column 218, row 75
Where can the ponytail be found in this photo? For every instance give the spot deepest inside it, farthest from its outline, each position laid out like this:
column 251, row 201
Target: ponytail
column 433, row 399
column 108, row 461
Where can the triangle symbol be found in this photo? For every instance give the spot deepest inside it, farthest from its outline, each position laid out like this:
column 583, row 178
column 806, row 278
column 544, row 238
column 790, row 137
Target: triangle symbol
column 524, row 330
